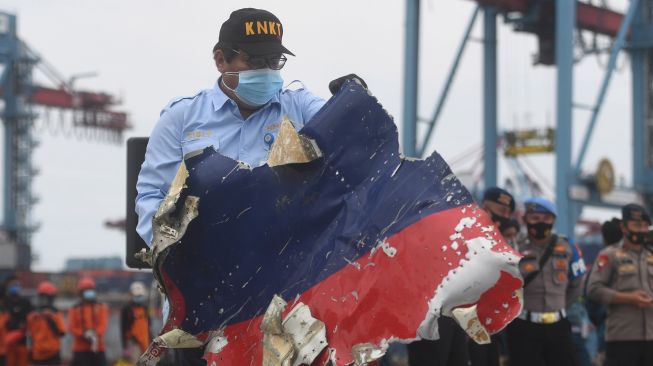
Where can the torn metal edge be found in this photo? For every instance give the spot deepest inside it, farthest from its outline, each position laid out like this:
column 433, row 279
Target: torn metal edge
column 175, row 338
column 168, row 228
column 292, row 148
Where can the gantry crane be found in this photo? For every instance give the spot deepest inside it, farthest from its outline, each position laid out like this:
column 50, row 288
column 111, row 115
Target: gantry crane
column 555, row 23
column 91, row 110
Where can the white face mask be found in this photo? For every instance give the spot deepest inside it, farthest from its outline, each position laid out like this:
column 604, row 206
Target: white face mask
column 89, row 295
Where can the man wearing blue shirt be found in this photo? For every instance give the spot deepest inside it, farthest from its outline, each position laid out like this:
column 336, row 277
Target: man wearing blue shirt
column 240, row 116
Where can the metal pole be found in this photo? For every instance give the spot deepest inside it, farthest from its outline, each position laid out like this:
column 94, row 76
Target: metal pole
column 449, row 82
column 9, row 117
column 616, row 48
column 490, row 97
column 565, row 23
column 411, row 64
column 640, row 59
column 638, row 67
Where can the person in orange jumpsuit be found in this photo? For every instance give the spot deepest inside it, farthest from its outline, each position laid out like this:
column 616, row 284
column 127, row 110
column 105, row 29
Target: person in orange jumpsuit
column 3, row 323
column 135, row 323
column 45, row 327
column 87, row 322
column 17, row 308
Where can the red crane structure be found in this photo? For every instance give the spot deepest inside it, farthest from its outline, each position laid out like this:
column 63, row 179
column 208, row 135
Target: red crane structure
column 90, row 111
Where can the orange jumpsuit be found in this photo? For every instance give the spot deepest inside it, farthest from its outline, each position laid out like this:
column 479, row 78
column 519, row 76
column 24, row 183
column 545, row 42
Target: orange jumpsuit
column 3, row 331
column 135, row 325
column 88, row 316
column 15, row 326
column 45, row 327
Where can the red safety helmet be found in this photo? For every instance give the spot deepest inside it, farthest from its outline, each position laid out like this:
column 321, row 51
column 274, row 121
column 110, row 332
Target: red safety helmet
column 85, row 283
column 47, row 288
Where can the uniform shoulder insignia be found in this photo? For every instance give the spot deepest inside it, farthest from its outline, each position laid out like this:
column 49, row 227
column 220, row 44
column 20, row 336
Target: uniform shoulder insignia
column 602, row 261
column 175, row 101
column 179, row 99
column 560, row 248
column 294, row 86
column 606, row 257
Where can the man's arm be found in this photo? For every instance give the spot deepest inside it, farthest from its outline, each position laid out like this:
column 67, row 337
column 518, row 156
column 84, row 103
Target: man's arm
column 75, row 321
column 598, row 284
column 311, row 104
column 162, row 159
column 102, row 319
column 598, row 288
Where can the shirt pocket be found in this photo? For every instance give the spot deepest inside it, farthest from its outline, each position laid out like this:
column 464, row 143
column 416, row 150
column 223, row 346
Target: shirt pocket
column 194, row 146
column 627, row 278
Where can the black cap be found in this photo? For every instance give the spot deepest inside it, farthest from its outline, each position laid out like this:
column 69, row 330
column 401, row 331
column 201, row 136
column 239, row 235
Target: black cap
column 255, row 31
column 500, row 196
column 635, row 212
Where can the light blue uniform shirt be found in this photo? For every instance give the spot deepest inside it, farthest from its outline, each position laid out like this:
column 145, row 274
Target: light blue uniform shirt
column 212, row 118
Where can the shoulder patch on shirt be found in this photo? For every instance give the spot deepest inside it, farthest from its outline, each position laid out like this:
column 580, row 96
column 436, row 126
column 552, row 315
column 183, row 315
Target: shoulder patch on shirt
column 560, row 249
column 179, row 99
column 293, row 86
column 577, row 266
column 602, row 261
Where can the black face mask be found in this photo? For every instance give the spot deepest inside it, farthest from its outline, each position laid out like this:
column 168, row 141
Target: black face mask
column 539, row 230
column 634, row 237
column 503, row 221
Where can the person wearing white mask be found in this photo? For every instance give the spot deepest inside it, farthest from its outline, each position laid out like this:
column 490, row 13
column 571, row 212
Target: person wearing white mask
column 135, row 323
column 88, row 321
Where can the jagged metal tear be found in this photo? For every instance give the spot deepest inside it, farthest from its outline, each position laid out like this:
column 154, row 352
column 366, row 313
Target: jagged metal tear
column 286, row 229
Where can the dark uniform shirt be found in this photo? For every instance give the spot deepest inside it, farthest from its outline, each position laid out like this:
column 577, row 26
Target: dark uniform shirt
column 621, row 270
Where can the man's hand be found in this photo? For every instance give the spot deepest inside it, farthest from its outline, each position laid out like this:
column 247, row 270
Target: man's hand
column 640, row 299
column 335, row 85
column 89, row 334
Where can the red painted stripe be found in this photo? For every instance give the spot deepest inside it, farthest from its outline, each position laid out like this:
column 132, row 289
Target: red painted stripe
column 387, row 296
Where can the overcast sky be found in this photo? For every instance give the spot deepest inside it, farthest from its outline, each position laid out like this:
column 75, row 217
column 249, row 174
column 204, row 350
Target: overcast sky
column 150, row 51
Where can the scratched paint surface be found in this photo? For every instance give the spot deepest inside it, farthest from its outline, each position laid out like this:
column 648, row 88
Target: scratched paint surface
column 375, row 245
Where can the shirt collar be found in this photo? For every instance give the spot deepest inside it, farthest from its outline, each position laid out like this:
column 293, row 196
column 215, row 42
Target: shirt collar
column 220, row 98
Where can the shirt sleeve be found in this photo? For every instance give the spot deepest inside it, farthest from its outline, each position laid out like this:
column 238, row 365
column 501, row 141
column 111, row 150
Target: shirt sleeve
column 574, row 290
column 576, row 273
column 598, row 286
column 162, row 159
column 310, row 104
column 102, row 319
column 74, row 321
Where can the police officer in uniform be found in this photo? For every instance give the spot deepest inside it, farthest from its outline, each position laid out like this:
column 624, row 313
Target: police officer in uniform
column 500, row 205
column 622, row 278
column 541, row 335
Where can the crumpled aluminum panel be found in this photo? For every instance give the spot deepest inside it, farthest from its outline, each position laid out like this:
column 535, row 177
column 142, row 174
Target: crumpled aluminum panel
column 375, row 245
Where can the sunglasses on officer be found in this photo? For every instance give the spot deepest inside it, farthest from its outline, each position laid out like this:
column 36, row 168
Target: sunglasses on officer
column 274, row 62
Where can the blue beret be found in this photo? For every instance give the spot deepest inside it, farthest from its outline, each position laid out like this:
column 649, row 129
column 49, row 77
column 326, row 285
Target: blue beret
column 540, row 205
